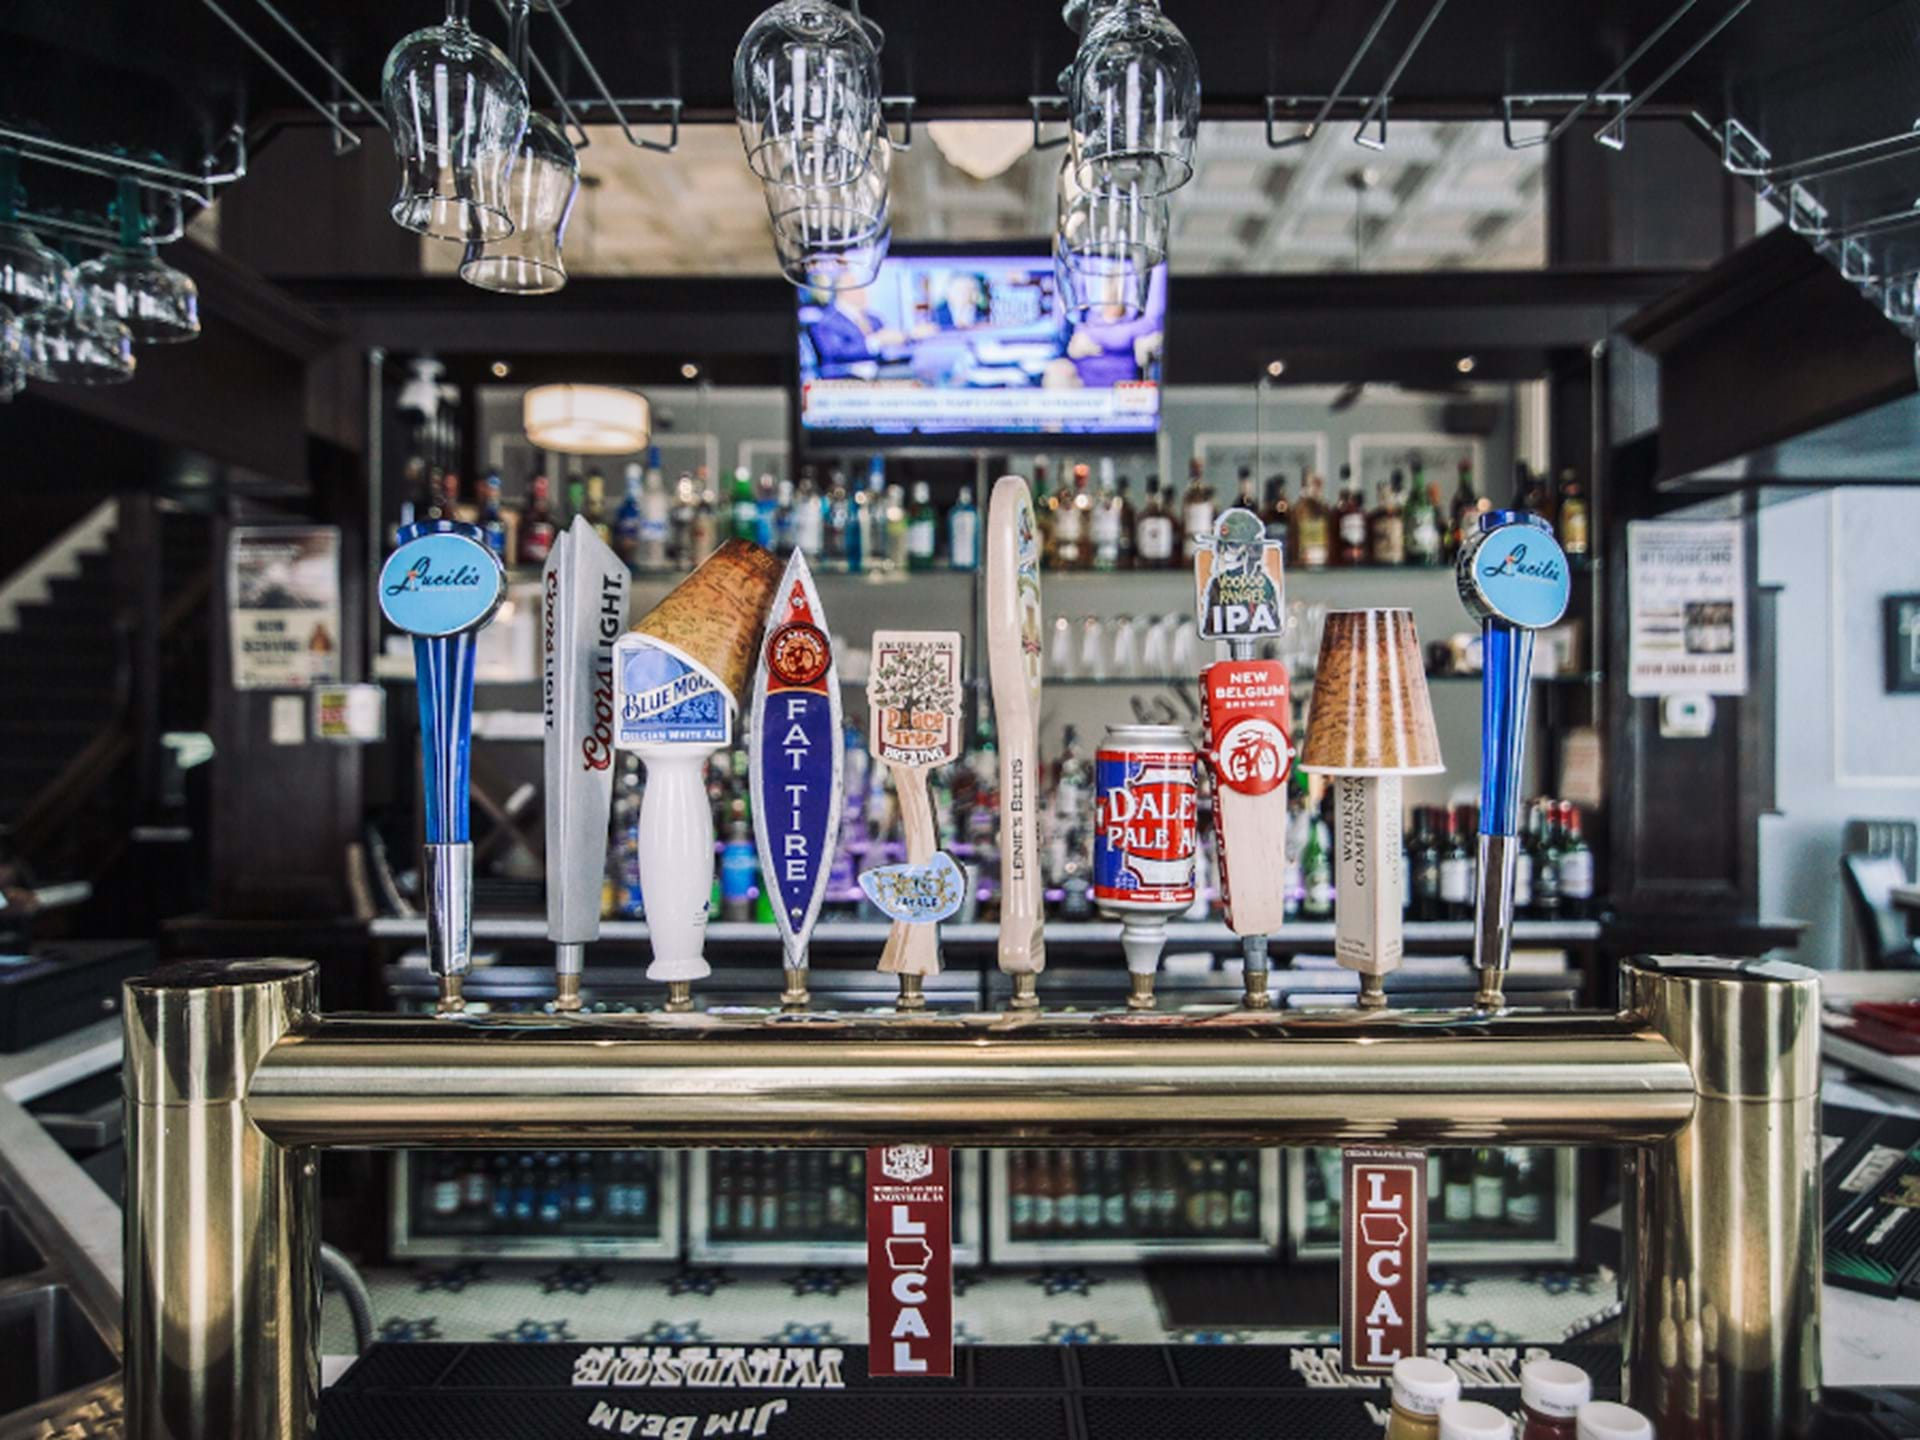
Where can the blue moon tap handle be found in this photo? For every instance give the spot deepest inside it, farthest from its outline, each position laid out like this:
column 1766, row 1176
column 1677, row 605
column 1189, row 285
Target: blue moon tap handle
column 441, row 585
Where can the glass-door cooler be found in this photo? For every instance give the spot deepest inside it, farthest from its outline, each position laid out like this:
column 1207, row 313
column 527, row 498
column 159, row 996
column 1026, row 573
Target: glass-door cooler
column 1120, row 1206
column 536, row 1204
column 1484, row 1206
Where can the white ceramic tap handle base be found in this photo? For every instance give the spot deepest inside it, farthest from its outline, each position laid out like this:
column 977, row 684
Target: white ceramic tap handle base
column 1367, row 933
column 676, row 860
column 1142, row 938
column 913, row 949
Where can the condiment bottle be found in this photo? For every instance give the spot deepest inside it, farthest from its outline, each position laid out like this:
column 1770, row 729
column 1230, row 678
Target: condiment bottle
column 1470, row 1420
column 1604, row 1420
column 1420, row 1387
column 1551, row 1393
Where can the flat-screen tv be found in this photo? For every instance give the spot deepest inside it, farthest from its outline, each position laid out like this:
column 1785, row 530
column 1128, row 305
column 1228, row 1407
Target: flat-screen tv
column 960, row 345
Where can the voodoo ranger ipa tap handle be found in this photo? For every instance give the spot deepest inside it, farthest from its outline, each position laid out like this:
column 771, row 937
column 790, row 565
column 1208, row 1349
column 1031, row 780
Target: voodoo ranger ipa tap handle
column 1513, row 579
column 441, row 586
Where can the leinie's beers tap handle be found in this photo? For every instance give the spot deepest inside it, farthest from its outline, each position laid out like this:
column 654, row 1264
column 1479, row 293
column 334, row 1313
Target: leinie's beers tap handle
column 1513, row 578
column 441, row 585
column 1013, row 661
column 1239, row 598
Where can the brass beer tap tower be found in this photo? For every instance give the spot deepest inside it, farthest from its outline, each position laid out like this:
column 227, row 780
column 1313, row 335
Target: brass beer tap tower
column 1708, row 1075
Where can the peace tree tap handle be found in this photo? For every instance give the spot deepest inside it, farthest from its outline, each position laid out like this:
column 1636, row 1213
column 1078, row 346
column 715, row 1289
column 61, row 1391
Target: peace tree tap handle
column 1513, row 578
column 441, row 585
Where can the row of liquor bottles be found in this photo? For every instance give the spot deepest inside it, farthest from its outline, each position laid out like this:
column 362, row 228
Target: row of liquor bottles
column 787, row 1195
column 1488, row 1192
column 1133, row 1194
column 537, row 1192
column 1440, row 856
column 1085, row 524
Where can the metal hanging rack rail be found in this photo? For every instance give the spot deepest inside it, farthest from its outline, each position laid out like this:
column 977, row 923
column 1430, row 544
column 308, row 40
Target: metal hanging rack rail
column 344, row 138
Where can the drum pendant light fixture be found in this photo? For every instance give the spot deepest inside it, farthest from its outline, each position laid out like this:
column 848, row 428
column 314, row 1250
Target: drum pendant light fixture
column 587, row 419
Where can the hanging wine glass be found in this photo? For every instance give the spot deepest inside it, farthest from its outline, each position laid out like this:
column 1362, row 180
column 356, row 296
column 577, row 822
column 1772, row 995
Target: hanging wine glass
column 806, row 92
column 158, row 304
column 78, row 342
column 833, row 237
column 1134, row 99
column 539, row 200
column 457, row 108
column 13, row 355
column 31, row 274
column 1107, row 242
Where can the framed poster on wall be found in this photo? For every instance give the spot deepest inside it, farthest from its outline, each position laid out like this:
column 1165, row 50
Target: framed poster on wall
column 1433, row 457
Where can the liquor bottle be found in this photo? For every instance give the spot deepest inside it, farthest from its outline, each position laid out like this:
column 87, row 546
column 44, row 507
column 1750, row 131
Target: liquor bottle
column 500, row 1190
column 1350, row 521
column 537, row 528
column 1316, row 867
column 1086, row 1164
column 1166, row 1193
column 526, row 1192
column 1456, row 1204
column 1139, row 1192
column 963, row 532
column 1156, row 540
column 1529, row 1178
column 1244, row 495
column 437, row 504
column 1040, row 1182
column 1066, row 1194
column 1489, row 1186
column 686, row 502
column 1278, row 513
column 1019, row 1196
column 1319, row 1206
column 1193, row 1186
column 552, row 1207
column 1107, row 524
column 1044, row 508
column 656, row 517
column 1113, row 1194
column 1070, row 524
column 1532, row 492
column 1196, row 510
column 703, row 530
column 576, row 493
column 746, row 508
column 769, row 1195
column 809, row 517
column 1423, row 867
column 626, row 521
column 443, row 1189
column 1387, row 525
column 1424, row 545
column 586, row 1195
column 774, row 498
column 836, row 520
column 1547, row 879
column 1456, row 870
column 491, row 519
column 1574, row 527
column 1299, row 828
column 1523, row 871
column 923, row 529
column 1576, row 865
column 1313, row 526
column 840, row 1203
column 476, row 1185
column 1464, row 512
column 1244, row 1206
column 1219, row 1197
column 1129, row 523
column 595, row 508
column 895, row 529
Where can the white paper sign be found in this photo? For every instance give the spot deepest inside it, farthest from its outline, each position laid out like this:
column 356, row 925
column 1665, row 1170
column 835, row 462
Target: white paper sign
column 1686, row 588
column 283, row 606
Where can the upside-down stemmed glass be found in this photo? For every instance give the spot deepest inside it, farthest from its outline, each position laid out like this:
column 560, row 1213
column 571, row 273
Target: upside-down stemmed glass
column 806, row 92
column 833, row 237
column 158, row 304
column 539, row 200
column 78, row 342
column 457, row 108
column 1134, row 99
column 1107, row 242
column 31, row 274
column 13, row 355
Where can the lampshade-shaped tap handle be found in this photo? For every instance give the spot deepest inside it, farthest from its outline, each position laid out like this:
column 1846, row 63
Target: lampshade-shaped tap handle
column 441, row 585
column 1513, row 579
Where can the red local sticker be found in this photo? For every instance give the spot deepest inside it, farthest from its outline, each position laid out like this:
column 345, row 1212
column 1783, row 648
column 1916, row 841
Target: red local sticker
column 910, row 1260
column 1383, row 1259
column 1248, row 712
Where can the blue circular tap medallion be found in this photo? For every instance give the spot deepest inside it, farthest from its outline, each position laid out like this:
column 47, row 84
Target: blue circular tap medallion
column 1514, row 571
column 443, row 579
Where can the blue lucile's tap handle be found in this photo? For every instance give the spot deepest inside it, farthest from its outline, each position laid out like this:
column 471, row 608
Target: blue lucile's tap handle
column 1513, row 579
column 441, row 586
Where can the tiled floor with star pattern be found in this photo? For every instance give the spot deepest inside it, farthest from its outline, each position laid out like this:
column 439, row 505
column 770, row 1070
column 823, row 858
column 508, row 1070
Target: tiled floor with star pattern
column 1066, row 1305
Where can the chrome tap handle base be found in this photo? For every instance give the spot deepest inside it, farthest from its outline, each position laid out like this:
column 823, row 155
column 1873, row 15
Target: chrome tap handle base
column 449, row 885
column 1257, row 972
column 1026, row 991
column 569, row 965
column 1493, row 915
column 796, row 995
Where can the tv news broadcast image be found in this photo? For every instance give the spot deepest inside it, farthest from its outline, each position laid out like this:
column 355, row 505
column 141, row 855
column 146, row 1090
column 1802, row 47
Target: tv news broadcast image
column 955, row 345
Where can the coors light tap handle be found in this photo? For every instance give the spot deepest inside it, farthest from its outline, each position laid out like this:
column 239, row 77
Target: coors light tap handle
column 584, row 595
column 441, row 585
column 1513, row 579
column 1239, row 598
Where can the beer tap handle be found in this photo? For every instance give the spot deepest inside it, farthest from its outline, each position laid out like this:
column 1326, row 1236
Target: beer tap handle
column 441, row 585
column 1513, row 578
column 1013, row 661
